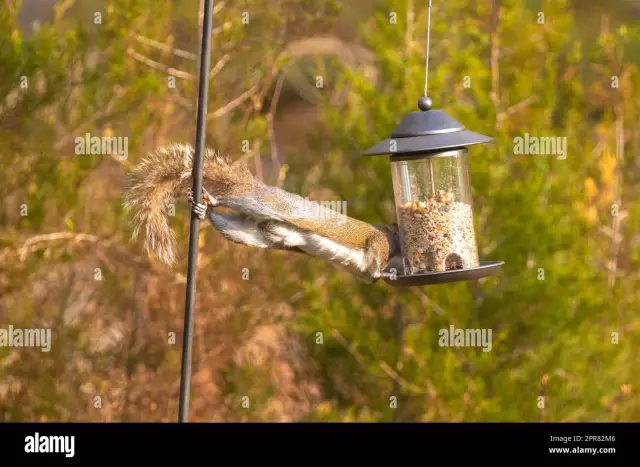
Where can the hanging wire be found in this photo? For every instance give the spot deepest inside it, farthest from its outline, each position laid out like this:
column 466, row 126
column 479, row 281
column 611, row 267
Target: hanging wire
column 201, row 122
column 426, row 82
column 426, row 73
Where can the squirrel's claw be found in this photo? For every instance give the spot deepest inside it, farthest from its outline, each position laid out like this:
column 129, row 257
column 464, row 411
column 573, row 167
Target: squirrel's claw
column 199, row 209
column 208, row 199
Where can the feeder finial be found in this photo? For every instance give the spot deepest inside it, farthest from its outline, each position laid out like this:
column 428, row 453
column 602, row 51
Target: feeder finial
column 425, row 103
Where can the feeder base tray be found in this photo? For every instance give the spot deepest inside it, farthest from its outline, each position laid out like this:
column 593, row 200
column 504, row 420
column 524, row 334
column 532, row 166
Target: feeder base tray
column 486, row 269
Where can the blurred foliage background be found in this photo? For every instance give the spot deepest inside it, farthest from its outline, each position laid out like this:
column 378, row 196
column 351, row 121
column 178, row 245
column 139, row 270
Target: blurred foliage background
column 311, row 84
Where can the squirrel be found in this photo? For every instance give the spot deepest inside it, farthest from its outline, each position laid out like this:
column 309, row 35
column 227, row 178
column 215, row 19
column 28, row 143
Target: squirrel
column 246, row 211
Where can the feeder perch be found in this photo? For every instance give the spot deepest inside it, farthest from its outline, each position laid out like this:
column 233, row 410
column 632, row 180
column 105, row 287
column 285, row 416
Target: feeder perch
column 432, row 191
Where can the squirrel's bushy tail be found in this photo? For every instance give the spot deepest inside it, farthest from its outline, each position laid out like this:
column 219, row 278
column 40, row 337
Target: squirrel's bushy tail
column 152, row 185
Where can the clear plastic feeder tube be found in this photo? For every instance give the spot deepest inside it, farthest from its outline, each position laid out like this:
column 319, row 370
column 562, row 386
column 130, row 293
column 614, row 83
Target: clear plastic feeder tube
column 435, row 211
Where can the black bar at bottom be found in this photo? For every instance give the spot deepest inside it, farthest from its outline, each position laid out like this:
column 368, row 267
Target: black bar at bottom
column 451, row 443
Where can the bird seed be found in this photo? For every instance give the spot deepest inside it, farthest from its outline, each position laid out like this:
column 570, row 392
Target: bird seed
column 438, row 234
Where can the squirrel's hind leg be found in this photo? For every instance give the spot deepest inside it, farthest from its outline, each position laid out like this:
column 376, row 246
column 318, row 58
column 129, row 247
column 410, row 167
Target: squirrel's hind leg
column 239, row 228
column 200, row 210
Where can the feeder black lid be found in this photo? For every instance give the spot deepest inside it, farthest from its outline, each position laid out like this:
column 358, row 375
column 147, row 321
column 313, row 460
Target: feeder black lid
column 426, row 131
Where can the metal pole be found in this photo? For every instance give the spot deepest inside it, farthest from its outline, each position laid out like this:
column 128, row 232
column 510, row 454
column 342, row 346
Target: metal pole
column 187, row 344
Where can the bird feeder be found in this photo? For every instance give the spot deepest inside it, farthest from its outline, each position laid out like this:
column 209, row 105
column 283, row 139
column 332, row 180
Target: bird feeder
column 432, row 191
